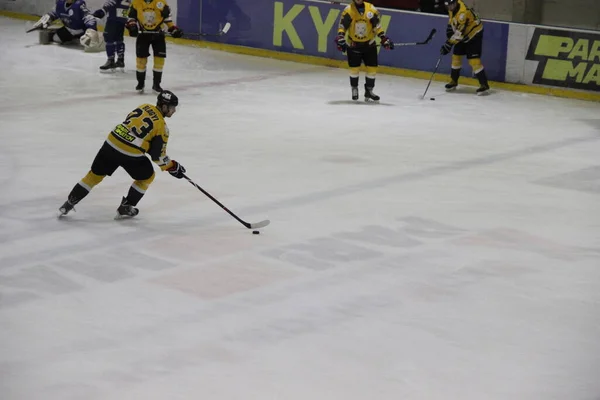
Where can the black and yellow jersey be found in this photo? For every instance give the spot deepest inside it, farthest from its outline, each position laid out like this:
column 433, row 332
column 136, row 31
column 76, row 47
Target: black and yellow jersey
column 143, row 131
column 151, row 15
column 362, row 28
column 465, row 23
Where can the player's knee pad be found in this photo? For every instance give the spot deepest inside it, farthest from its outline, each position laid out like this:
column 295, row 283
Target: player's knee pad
column 143, row 185
column 456, row 61
column 371, row 72
column 476, row 65
column 91, row 180
column 159, row 63
column 354, row 72
column 140, row 64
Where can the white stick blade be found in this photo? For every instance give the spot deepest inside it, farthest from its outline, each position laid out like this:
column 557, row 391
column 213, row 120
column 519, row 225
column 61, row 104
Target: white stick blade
column 261, row 224
column 226, row 28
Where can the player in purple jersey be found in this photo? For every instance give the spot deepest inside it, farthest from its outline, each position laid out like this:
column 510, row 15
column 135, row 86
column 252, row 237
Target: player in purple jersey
column 116, row 16
column 78, row 23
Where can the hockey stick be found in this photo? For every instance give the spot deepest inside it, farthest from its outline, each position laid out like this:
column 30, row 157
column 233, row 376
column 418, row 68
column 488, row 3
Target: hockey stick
column 220, row 33
column 426, row 41
column 437, row 65
column 223, row 31
column 35, row 28
column 248, row 225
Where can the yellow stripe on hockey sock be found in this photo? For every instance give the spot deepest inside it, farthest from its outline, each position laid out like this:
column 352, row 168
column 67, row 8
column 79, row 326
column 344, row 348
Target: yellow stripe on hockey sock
column 456, row 61
column 371, row 72
column 476, row 65
column 159, row 63
column 143, row 185
column 354, row 72
column 91, row 180
column 140, row 64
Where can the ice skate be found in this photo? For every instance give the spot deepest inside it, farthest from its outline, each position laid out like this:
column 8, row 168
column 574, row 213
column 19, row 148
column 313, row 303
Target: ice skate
column 120, row 64
column 156, row 88
column 483, row 90
column 126, row 210
column 354, row 93
column 140, row 87
column 451, row 86
column 65, row 209
column 369, row 95
column 109, row 66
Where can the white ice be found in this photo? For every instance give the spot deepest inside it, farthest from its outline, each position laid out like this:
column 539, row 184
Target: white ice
column 418, row 249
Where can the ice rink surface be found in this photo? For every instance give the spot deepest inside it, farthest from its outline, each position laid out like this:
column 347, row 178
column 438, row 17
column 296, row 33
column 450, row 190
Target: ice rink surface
column 417, row 249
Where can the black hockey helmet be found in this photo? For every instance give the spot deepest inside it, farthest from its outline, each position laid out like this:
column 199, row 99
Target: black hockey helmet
column 167, row 98
column 450, row 2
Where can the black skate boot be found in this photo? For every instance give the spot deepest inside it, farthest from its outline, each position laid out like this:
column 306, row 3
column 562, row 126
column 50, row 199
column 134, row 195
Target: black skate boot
column 66, row 208
column 450, row 86
column 483, row 90
column 109, row 65
column 156, row 79
column 454, row 75
column 354, row 93
column 484, row 87
column 126, row 210
column 369, row 95
column 141, row 78
column 120, row 63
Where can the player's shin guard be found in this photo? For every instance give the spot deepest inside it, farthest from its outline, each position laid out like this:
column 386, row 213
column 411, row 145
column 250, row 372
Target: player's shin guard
column 120, row 55
column 140, row 64
column 354, row 85
column 159, row 63
column 79, row 191
column 111, row 47
column 481, row 76
column 454, row 72
column 138, row 189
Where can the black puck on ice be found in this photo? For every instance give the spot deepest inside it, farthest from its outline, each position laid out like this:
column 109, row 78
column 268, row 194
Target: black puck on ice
column 255, row 232
column 432, row 98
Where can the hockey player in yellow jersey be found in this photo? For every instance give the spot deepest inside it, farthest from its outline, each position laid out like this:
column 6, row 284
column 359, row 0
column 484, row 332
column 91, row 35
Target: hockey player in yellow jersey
column 144, row 131
column 465, row 33
column 361, row 22
column 147, row 19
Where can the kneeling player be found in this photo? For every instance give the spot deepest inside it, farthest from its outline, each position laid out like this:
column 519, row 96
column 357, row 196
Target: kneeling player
column 77, row 21
column 465, row 33
column 361, row 20
column 144, row 131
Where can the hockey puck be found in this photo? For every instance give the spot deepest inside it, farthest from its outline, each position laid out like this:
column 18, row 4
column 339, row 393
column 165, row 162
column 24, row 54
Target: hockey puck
column 432, row 98
column 255, row 232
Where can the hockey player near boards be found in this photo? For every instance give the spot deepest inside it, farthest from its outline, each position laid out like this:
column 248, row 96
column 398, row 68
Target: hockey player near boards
column 77, row 22
column 144, row 131
column 116, row 17
column 361, row 21
column 465, row 33
column 146, row 20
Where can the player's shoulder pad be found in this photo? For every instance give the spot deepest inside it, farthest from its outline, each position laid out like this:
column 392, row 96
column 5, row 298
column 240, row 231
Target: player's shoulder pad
column 347, row 8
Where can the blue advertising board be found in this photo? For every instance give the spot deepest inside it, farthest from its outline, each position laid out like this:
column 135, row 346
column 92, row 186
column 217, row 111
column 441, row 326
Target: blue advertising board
column 309, row 28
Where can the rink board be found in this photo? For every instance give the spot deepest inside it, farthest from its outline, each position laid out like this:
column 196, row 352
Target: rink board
column 534, row 59
column 513, row 53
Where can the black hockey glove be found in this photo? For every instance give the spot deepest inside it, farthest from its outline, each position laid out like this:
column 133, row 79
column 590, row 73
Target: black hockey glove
column 340, row 41
column 446, row 48
column 132, row 27
column 386, row 42
column 175, row 31
column 176, row 170
column 99, row 13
